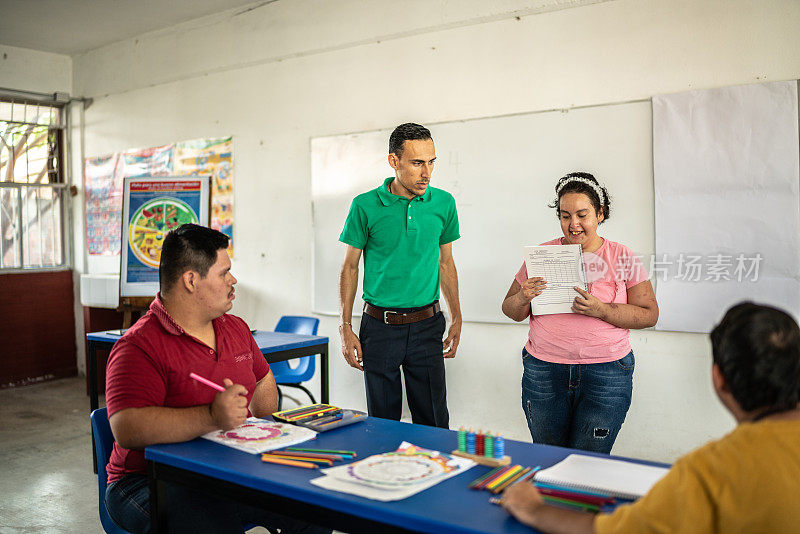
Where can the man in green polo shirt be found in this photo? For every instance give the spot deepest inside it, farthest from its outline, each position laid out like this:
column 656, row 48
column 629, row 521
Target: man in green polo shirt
column 405, row 229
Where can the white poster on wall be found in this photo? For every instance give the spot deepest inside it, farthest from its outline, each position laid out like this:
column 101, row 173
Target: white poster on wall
column 727, row 206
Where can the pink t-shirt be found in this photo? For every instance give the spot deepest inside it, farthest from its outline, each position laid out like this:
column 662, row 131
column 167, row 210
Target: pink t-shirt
column 573, row 338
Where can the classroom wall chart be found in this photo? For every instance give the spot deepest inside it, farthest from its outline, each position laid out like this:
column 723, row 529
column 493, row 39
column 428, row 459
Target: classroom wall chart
column 152, row 206
column 105, row 175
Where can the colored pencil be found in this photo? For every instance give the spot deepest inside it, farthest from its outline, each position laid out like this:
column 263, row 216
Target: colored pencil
column 516, row 476
column 293, row 463
column 327, row 417
column 494, row 475
column 510, row 473
column 503, row 479
column 310, row 413
column 318, row 414
column 207, row 382
column 324, row 451
column 557, row 502
column 569, row 503
column 333, row 457
column 530, row 475
column 589, row 499
column 301, row 409
column 474, row 483
column 503, row 472
column 527, row 477
column 306, row 411
column 302, row 459
column 571, row 490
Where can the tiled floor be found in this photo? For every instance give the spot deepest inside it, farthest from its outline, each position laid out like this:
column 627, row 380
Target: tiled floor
column 47, row 483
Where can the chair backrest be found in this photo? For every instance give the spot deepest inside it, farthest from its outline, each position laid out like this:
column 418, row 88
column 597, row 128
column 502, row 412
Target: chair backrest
column 298, row 324
column 103, row 443
column 283, row 372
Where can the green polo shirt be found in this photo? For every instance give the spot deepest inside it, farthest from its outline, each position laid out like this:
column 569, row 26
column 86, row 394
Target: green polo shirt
column 400, row 239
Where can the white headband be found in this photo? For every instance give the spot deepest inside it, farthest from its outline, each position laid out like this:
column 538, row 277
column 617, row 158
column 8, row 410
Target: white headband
column 586, row 181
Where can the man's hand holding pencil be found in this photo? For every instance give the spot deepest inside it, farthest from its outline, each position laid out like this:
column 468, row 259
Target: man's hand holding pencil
column 229, row 408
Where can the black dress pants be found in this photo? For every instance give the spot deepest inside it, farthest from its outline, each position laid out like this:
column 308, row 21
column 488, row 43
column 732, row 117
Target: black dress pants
column 417, row 348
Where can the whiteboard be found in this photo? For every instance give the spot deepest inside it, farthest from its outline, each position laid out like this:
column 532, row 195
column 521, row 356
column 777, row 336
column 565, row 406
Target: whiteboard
column 502, row 172
column 727, row 177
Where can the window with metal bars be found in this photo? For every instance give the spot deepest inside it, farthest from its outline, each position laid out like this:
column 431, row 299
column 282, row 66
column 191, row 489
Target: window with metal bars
column 32, row 186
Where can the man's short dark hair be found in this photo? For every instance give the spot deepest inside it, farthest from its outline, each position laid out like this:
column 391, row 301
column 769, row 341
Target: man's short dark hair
column 189, row 247
column 406, row 132
column 757, row 348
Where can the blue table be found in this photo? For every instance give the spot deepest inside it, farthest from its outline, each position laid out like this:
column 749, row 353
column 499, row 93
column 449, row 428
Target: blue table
column 447, row 508
column 275, row 346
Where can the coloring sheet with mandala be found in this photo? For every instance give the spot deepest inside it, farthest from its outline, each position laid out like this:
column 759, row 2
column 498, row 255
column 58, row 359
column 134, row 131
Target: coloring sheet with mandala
column 259, row 435
column 394, row 475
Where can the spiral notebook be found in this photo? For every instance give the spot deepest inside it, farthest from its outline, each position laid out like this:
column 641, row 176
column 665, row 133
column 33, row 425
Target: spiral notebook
column 618, row 478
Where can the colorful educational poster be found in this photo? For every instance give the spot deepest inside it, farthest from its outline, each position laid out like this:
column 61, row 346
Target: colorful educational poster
column 211, row 157
column 105, row 175
column 259, row 435
column 152, row 206
column 155, row 161
column 103, row 208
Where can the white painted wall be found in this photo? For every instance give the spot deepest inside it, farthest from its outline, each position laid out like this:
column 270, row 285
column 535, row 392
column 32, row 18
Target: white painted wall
column 278, row 75
column 30, row 70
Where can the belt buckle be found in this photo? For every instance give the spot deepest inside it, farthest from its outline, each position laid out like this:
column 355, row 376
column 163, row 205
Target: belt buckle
column 386, row 315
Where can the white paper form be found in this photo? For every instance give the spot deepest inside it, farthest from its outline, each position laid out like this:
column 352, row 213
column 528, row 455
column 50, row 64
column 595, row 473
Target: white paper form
column 561, row 266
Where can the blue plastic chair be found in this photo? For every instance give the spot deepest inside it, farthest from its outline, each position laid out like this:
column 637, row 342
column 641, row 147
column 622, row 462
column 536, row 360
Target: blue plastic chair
column 284, row 374
column 103, row 443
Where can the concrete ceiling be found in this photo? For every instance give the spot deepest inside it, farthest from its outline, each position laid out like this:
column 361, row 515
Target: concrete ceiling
column 72, row 27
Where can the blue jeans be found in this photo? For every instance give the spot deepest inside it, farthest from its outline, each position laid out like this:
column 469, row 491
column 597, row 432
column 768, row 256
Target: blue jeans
column 128, row 504
column 581, row 406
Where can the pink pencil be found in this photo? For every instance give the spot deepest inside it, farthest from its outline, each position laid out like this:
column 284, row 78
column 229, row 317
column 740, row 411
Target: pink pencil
column 207, row 382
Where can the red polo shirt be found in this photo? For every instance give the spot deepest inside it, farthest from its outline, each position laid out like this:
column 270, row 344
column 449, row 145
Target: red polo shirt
column 150, row 366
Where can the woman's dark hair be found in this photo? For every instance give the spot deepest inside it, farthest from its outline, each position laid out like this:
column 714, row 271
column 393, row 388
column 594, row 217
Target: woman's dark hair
column 189, row 247
column 406, row 132
column 757, row 348
column 575, row 182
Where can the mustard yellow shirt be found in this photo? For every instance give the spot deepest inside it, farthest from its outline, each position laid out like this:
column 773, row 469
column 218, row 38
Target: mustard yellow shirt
column 746, row 482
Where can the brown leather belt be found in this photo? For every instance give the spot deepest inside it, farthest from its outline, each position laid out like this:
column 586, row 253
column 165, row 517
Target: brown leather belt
column 392, row 317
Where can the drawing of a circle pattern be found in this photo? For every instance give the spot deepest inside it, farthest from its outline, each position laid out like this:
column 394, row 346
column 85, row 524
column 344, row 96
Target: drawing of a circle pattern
column 150, row 224
column 254, row 432
column 396, row 470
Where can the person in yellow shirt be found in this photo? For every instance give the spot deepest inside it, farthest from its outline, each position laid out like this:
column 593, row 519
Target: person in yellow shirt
column 745, row 482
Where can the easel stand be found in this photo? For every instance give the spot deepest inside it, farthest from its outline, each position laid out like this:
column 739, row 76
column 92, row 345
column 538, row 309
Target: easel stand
column 130, row 305
column 484, row 460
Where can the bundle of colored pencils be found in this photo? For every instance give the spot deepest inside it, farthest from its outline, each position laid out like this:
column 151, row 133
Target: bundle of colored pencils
column 571, row 498
column 308, row 458
column 500, row 478
column 305, row 414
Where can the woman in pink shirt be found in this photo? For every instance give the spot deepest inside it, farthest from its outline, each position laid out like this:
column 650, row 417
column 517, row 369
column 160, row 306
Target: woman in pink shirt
column 578, row 367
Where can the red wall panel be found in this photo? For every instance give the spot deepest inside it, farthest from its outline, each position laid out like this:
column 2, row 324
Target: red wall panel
column 37, row 327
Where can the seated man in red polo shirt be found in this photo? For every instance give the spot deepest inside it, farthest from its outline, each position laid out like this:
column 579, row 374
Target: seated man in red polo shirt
column 151, row 398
